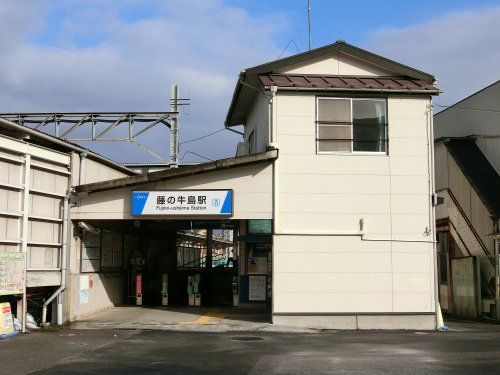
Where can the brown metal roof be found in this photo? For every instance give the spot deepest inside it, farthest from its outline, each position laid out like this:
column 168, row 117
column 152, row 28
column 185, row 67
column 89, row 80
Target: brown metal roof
column 347, row 83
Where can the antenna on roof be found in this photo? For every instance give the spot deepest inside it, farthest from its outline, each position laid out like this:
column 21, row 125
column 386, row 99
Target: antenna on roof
column 309, row 21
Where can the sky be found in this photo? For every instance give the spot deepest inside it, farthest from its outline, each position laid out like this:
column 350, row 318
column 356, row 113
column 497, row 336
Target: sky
column 123, row 55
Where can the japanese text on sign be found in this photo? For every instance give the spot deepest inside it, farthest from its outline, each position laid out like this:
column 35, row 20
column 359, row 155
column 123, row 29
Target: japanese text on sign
column 182, row 202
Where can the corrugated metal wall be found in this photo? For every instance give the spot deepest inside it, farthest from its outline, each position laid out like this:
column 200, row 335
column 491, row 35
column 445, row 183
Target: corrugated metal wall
column 48, row 184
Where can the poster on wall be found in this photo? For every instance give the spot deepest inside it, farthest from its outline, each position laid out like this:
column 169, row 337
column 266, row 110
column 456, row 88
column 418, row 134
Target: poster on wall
column 84, row 289
column 257, row 288
column 12, row 273
column 257, row 265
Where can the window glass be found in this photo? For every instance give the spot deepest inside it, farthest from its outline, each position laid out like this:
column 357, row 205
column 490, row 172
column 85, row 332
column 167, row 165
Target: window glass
column 351, row 125
column 334, row 110
column 369, row 125
column 334, row 138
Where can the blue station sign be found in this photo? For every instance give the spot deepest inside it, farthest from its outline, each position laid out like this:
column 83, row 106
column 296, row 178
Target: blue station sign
column 183, row 202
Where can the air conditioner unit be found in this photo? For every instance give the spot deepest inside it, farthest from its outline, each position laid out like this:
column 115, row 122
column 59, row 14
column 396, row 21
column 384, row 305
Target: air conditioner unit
column 242, row 149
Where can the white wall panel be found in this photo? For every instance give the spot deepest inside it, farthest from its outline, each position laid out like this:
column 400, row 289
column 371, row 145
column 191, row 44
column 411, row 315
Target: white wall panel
column 413, row 302
column 334, row 204
column 411, row 262
column 312, row 262
column 330, row 194
column 252, row 187
column 362, row 282
column 409, row 282
column 301, row 222
column 328, row 244
column 334, row 184
column 416, row 166
column 347, row 302
column 9, row 228
column 10, row 200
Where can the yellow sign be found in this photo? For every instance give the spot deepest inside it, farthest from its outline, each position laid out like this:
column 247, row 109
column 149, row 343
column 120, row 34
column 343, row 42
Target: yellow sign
column 6, row 323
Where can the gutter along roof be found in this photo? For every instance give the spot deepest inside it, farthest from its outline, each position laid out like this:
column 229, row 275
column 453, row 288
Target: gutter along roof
column 242, row 93
column 343, row 83
column 190, row 170
column 47, row 138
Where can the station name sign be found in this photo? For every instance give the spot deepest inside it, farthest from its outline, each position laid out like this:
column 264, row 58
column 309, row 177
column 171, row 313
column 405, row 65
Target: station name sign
column 183, row 202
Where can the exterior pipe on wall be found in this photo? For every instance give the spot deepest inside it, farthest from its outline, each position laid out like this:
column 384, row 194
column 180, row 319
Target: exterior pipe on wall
column 432, row 182
column 64, row 268
column 24, row 239
column 81, row 169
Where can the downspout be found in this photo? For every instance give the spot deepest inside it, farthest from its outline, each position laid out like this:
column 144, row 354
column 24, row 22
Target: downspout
column 24, row 239
column 81, row 169
column 271, row 98
column 432, row 184
column 64, row 267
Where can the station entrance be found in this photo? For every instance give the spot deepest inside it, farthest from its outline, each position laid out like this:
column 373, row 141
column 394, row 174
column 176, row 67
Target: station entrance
column 178, row 263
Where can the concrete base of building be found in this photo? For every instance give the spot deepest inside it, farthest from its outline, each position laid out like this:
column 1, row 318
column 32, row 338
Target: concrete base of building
column 410, row 322
column 252, row 305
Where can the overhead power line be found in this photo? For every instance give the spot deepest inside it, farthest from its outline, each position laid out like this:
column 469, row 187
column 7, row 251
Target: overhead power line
column 194, row 153
column 203, row 136
column 286, row 47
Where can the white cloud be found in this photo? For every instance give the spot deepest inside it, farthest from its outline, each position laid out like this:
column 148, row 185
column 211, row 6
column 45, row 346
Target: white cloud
column 460, row 48
column 95, row 58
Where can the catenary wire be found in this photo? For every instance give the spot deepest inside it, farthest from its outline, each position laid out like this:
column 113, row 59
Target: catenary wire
column 202, row 137
column 194, row 153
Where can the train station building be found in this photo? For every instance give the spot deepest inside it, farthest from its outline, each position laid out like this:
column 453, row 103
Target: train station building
column 325, row 216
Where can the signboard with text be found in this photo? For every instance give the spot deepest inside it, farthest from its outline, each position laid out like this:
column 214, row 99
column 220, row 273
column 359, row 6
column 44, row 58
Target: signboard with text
column 257, row 288
column 12, row 273
column 183, row 202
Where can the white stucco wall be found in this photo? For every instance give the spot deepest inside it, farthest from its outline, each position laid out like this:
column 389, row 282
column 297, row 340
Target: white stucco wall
column 258, row 122
column 252, row 187
column 322, row 194
column 337, row 64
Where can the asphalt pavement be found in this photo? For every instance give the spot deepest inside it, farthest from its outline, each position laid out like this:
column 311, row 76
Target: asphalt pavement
column 469, row 348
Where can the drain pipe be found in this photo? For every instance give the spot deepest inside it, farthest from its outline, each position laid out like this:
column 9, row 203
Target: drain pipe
column 81, row 169
column 64, row 268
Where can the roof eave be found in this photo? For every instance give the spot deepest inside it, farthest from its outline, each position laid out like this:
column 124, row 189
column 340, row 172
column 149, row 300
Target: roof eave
column 329, row 89
column 339, row 46
column 153, row 177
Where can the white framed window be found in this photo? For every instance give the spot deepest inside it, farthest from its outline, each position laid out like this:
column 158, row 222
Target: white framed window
column 351, row 125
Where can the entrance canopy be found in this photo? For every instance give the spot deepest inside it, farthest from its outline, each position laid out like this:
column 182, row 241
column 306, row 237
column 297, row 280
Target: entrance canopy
column 233, row 188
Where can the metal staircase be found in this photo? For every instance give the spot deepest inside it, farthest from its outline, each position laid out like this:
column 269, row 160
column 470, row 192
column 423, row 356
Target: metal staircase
column 467, row 238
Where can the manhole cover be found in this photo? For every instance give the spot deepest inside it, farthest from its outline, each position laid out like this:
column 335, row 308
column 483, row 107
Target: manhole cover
column 247, row 338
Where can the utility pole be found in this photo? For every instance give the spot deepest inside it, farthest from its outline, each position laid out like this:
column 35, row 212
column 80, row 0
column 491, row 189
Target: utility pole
column 174, row 127
column 309, row 22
